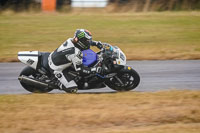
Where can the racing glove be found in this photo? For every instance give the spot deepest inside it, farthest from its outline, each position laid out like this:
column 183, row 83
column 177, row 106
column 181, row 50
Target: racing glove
column 102, row 46
column 98, row 44
column 107, row 46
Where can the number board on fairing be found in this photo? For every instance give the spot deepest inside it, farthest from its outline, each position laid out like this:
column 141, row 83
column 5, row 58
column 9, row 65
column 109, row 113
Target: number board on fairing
column 30, row 62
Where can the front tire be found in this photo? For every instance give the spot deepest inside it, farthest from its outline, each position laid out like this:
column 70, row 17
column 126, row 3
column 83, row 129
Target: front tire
column 125, row 80
column 30, row 72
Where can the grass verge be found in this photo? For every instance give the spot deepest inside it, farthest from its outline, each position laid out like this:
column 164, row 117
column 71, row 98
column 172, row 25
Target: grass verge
column 142, row 36
column 130, row 112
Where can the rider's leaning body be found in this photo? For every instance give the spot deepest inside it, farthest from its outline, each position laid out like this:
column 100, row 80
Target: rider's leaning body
column 70, row 53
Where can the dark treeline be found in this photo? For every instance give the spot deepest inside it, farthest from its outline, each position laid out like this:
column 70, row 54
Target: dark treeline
column 21, row 5
column 158, row 5
column 136, row 5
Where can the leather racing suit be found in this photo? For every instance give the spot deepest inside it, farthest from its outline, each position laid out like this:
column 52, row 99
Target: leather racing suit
column 65, row 56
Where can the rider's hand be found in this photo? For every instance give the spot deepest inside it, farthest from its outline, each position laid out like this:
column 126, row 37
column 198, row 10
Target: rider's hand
column 107, row 46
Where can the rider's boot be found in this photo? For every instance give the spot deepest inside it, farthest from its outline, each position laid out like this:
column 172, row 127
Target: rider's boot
column 66, row 84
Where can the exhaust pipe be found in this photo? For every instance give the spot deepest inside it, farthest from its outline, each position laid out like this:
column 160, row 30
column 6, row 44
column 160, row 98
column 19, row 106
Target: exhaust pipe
column 36, row 83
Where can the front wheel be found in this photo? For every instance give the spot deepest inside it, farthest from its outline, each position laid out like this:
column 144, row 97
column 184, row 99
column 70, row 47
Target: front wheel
column 125, row 80
column 32, row 73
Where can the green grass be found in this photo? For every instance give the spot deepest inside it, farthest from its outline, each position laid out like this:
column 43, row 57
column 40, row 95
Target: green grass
column 165, row 35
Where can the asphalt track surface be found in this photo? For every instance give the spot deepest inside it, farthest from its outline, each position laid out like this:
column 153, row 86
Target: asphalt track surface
column 155, row 76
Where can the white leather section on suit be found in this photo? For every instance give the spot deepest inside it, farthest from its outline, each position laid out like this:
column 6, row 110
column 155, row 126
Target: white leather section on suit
column 63, row 80
column 57, row 68
column 74, row 58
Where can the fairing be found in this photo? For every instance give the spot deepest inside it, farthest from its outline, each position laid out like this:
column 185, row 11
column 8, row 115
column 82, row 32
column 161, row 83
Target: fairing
column 29, row 58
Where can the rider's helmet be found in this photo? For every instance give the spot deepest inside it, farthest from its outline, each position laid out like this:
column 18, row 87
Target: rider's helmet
column 84, row 39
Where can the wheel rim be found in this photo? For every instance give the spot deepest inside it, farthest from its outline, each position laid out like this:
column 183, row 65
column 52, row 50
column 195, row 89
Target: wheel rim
column 127, row 79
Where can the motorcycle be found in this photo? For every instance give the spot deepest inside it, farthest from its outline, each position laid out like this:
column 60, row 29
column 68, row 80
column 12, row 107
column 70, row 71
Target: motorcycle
column 37, row 77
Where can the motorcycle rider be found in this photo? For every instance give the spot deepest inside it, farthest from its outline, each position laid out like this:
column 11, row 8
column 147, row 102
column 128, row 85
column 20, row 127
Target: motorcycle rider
column 70, row 53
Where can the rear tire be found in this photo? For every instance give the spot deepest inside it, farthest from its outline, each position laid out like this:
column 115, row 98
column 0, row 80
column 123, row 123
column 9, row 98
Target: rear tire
column 130, row 79
column 30, row 72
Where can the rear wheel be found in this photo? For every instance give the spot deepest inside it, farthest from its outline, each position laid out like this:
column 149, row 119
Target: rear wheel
column 32, row 73
column 125, row 80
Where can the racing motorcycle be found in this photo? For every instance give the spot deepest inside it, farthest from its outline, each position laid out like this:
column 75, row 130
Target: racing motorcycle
column 37, row 77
